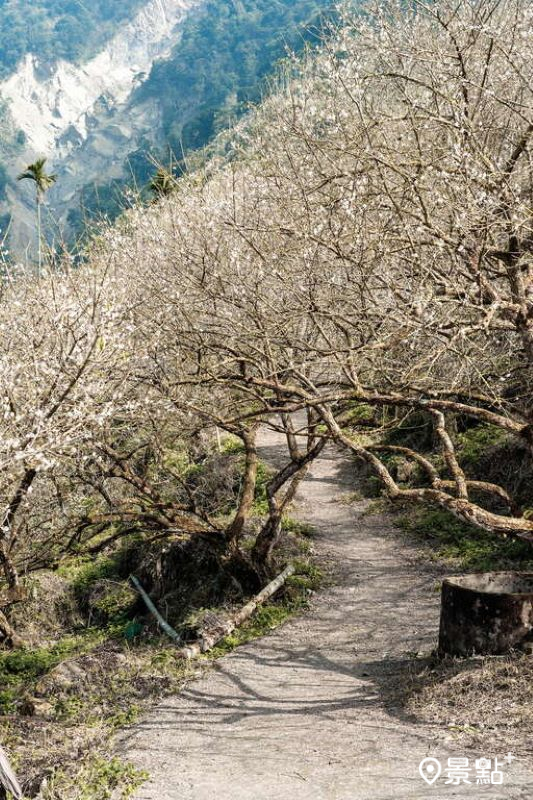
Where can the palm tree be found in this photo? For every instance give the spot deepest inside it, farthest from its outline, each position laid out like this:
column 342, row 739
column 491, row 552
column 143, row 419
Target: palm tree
column 43, row 181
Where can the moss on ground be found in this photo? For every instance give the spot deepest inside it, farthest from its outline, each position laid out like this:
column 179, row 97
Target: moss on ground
column 474, row 443
column 464, row 545
column 266, row 619
column 99, row 779
column 20, row 670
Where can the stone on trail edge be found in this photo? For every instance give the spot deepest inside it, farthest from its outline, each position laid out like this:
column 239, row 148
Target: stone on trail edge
column 299, row 714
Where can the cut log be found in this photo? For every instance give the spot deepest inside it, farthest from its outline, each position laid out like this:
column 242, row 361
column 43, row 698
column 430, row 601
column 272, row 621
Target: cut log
column 223, row 628
column 8, row 779
column 486, row 614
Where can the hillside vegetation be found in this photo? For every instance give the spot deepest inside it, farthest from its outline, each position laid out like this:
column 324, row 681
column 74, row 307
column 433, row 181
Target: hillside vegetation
column 354, row 266
column 222, row 63
column 51, row 29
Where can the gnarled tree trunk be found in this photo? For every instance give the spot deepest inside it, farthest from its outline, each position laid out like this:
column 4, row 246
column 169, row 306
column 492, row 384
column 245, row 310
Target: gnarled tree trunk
column 236, row 527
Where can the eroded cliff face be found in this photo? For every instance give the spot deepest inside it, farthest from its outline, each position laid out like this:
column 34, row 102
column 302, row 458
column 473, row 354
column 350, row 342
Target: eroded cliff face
column 79, row 116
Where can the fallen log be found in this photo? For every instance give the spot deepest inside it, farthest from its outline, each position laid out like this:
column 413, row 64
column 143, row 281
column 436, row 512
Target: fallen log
column 8, row 779
column 222, row 628
column 161, row 621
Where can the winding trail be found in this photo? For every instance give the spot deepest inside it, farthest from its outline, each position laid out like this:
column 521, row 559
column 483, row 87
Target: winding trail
column 301, row 713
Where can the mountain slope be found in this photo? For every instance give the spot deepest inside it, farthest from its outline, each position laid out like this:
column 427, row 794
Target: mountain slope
column 51, row 101
column 168, row 79
column 69, row 29
column 226, row 50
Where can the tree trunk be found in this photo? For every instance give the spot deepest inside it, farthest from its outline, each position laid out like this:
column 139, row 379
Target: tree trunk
column 8, row 567
column 8, row 632
column 270, row 532
column 235, row 529
column 39, row 240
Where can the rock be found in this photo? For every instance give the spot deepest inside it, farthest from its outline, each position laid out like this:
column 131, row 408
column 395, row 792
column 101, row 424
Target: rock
column 37, row 707
column 64, row 678
column 72, row 676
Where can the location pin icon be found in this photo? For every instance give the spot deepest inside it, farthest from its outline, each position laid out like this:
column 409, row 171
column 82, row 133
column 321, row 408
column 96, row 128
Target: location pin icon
column 430, row 769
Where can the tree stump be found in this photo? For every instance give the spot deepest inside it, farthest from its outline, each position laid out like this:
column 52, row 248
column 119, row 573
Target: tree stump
column 489, row 613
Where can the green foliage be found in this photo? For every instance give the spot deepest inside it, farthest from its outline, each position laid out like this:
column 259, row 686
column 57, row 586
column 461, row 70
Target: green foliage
column 115, row 604
column 475, row 442
column 260, row 507
column 308, row 577
column 20, row 669
column 106, row 778
column 360, row 412
column 469, row 547
column 36, row 173
column 489, row 453
column 295, row 526
column 98, row 202
column 101, row 588
column 226, row 49
column 231, row 445
column 84, row 572
column 53, row 29
column 266, row 619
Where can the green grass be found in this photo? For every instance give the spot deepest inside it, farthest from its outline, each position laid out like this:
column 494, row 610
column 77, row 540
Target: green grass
column 265, row 619
column 260, row 506
column 106, row 778
column 466, row 546
column 20, row 670
column 112, row 701
column 83, row 572
column 360, row 412
column 113, row 607
column 231, row 446
column 308, row 578
column 294, row 526
column 268, row 617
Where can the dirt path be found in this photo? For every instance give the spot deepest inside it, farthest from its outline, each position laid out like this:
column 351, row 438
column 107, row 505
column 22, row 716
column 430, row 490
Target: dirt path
column 300, row 714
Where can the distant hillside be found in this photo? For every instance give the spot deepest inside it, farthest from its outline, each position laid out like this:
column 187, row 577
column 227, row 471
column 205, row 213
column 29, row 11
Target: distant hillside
column 226, row 50
column 103, row 89
column 51, row 29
